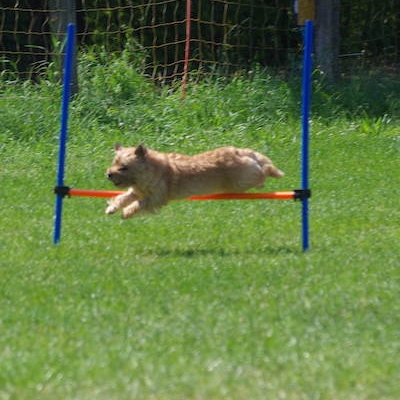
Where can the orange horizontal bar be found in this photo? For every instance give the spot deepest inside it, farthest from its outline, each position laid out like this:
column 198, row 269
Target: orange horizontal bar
column 94, row 193
column 288, row 195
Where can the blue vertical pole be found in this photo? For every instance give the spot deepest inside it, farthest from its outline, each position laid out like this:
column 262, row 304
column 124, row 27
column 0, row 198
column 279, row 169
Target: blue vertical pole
column 305, row 112
column 68, row 64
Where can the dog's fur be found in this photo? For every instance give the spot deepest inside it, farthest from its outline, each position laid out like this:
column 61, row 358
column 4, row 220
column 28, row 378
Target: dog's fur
column 155, row 178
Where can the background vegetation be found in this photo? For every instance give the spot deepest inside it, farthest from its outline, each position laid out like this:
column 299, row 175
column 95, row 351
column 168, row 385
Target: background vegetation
column 225, row 35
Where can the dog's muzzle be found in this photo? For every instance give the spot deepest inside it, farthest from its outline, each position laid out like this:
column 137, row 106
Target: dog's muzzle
column 112, row 177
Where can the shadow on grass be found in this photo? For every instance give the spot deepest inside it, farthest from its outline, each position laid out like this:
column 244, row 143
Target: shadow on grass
column 224, row 252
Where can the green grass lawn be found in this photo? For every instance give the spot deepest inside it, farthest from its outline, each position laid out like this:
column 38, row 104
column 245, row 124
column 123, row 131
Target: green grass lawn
column 206, row 300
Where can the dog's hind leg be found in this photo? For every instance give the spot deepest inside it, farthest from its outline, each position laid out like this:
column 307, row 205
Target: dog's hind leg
column 121, row 201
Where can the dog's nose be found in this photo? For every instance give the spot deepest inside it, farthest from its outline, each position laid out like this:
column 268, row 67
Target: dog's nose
column 109, row 175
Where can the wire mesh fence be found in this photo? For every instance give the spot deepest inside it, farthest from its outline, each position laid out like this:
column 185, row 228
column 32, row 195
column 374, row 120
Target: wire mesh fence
column 225, row 35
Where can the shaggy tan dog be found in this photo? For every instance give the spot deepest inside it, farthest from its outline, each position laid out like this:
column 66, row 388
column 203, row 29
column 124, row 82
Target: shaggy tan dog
column 155, row 178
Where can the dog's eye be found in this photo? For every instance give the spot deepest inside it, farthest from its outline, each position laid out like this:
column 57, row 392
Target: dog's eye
column 123, row 168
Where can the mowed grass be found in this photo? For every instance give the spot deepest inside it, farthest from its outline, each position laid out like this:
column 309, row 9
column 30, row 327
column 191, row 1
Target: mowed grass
column 206, row 300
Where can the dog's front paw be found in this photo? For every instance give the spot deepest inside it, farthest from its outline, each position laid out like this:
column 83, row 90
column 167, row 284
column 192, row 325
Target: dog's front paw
column 130, row 210
column 126, row 214
column 111, row 209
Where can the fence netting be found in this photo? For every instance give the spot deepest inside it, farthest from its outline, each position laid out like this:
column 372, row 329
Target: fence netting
column 225, row 35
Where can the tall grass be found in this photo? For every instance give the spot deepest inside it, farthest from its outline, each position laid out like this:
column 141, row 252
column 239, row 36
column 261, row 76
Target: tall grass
column 206, row 300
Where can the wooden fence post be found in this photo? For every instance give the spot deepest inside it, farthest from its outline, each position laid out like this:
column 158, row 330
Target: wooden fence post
column 62, row 13
column 328, row 37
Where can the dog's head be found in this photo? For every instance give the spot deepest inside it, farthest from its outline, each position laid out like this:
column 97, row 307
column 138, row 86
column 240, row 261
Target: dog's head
column 128, row 166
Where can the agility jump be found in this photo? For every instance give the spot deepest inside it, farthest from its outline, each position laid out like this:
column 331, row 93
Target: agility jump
column 302, row 194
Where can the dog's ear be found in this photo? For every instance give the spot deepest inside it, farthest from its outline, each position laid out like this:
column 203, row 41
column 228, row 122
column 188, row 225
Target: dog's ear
column 117, row 146
column 140, row 151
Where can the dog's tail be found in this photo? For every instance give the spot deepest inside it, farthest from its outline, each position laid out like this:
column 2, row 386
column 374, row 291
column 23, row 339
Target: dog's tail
column 271, row 170
column 268, row 168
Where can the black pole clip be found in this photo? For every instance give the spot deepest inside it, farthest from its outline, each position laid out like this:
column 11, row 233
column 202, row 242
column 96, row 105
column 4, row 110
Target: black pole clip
column 62, row 190
column 302, row 194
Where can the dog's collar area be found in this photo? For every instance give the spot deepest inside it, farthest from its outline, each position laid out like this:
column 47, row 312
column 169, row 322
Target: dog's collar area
column 302, row 194
column 62, row 190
